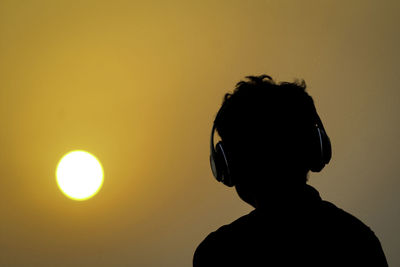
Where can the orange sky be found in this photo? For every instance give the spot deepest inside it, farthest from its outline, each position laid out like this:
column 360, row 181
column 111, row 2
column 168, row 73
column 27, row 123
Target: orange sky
column 137, row 83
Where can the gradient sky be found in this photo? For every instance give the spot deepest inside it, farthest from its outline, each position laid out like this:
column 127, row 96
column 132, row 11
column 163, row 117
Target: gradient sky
column 137, row 83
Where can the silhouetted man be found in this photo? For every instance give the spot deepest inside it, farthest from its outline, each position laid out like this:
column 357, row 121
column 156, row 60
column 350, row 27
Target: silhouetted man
column 271, row 137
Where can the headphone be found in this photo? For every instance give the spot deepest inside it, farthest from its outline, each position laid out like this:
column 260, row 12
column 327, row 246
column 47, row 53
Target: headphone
column 320, row 156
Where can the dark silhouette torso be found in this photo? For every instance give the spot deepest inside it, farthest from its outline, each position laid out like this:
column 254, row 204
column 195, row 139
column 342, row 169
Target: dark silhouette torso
column 310, row 232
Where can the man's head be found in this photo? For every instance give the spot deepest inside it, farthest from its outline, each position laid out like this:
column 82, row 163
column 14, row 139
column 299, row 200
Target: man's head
column 269, row 133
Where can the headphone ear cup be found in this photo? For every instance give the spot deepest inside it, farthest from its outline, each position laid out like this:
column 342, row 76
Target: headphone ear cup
column 321, row 151
column 327, row 152
column 222, row 165
column 215, row 162
column 316, row 153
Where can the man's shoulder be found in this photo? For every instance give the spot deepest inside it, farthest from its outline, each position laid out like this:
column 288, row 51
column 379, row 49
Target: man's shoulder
column 228, row 230
column 337, row 218
column 217, row 245
column 352, row 235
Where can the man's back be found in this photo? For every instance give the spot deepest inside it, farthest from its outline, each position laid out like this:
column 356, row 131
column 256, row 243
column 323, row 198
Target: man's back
column 309, row 232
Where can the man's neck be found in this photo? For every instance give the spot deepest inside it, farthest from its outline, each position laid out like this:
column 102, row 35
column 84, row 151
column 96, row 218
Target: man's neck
column 281, row 199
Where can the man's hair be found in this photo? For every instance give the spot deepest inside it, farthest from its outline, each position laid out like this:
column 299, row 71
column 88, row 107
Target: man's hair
column 265, row 124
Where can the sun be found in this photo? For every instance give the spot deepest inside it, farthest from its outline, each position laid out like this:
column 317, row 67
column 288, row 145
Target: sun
column 79, row 175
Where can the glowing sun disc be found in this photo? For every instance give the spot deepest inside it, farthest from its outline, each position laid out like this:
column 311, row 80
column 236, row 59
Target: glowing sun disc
column 79, row 175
